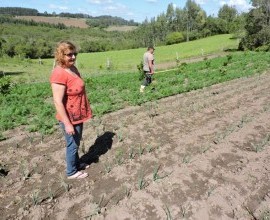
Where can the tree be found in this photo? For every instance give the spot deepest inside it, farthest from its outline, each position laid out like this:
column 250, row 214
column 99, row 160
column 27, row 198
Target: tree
column 227, row 13
column 257, row 26
column 195, row 17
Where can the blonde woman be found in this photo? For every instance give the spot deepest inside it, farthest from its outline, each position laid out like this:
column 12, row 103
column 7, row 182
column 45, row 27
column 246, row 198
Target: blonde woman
column 71, row 105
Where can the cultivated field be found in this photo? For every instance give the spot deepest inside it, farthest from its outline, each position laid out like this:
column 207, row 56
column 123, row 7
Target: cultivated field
column 198, row 155
column 69, row 22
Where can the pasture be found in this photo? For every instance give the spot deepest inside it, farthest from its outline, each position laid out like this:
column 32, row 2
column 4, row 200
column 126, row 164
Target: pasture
column 124, row 61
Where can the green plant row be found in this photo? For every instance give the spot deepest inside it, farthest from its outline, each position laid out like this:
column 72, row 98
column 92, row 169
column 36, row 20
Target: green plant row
column 31, row 104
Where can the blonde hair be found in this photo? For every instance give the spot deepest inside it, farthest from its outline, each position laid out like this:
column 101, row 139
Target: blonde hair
column 61, row 49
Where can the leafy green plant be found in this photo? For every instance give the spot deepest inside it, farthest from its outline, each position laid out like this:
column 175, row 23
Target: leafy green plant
column 6, row 84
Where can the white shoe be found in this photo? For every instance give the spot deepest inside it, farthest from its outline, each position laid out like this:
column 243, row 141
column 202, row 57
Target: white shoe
column 142, row 89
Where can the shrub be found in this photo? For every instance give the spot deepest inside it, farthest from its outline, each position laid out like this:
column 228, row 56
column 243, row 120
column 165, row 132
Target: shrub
column 174, row 38
column 6, row 84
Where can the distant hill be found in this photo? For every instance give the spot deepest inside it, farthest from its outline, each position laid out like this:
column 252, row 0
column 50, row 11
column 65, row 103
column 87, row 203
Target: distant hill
column 68, row 19
column 68, row 22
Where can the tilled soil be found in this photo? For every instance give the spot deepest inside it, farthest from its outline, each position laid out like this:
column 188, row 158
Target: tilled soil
column 199, row 155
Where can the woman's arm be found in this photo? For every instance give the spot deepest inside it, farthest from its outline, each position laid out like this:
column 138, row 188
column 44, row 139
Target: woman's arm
column 58, row 95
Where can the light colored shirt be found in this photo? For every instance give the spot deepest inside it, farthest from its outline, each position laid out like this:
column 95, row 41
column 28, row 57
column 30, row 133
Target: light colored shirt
column 146, row 58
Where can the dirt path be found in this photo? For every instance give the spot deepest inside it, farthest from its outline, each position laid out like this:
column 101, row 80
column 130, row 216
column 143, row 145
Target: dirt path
column 200, row 155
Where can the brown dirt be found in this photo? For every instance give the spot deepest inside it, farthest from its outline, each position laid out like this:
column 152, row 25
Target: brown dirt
column 211, row 147
column 69, row 22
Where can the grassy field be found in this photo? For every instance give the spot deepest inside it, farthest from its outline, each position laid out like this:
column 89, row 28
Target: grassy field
column 31, row 104
column 122, row 61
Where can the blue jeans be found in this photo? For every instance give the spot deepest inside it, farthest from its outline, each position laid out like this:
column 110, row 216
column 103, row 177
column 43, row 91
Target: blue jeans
column 72, row 147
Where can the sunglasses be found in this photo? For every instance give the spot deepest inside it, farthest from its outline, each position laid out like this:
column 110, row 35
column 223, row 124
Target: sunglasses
column 71, row 54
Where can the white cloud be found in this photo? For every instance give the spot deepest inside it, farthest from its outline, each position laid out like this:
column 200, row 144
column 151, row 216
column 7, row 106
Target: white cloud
column 59, row 7
column 241, row 5
column 152, row 1
column 99, row 2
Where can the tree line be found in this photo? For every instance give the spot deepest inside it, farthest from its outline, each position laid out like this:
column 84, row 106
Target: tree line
column 98, row 21
column 24, row 39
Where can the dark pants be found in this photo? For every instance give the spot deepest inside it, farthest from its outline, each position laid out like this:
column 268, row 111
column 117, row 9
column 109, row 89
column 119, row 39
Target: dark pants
column 147, row 78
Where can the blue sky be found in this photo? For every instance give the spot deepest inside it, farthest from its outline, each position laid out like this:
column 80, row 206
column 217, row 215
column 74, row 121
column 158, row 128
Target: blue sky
column 137, row 10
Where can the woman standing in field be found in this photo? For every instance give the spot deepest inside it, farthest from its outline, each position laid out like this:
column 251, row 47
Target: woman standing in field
column 71, row 105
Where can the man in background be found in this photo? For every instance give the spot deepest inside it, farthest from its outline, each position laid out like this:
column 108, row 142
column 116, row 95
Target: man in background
column 148, row 67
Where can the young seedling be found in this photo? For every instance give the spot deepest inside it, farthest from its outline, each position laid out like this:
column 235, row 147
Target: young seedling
column 26, row 173
column 63, row 184
column 261, row 145
column 155, row 173
column 108, row 167
column 131, row 153
column 204, row 149
column 35, row 197
column 50, row 192
column 140, row 150
column 149, row 148
column 120, row 136
column 127, row 192
column 168, row 213
column 141, row 181
column 184, row 210
column 186, row 159
column 119, row 157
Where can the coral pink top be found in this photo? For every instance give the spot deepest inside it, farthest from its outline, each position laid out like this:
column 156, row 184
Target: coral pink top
column 75, row 100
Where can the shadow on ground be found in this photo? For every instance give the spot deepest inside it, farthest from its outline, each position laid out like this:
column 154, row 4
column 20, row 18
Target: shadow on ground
column 101, row 146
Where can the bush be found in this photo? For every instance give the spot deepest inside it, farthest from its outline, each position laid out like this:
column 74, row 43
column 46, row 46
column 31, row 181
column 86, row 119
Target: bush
column 6, row 84
column 174, row 38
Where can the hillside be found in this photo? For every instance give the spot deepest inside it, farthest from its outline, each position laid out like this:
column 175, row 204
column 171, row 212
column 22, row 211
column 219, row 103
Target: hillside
column 69, row 22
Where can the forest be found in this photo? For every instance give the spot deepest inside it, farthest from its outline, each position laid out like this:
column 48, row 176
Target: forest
column 33, row 40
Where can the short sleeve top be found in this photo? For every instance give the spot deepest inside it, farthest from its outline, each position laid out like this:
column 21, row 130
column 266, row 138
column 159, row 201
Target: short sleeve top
column 146, row 58
column 75, row 100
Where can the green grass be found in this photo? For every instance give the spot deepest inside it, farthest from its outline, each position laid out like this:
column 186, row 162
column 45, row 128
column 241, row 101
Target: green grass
column 30, row 104
column 122, row 61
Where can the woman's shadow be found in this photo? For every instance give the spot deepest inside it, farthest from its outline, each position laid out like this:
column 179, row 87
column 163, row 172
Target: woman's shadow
column 102, row 144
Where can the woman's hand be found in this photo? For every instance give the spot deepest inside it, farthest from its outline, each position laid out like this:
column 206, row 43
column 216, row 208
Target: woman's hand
column 69, row 129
